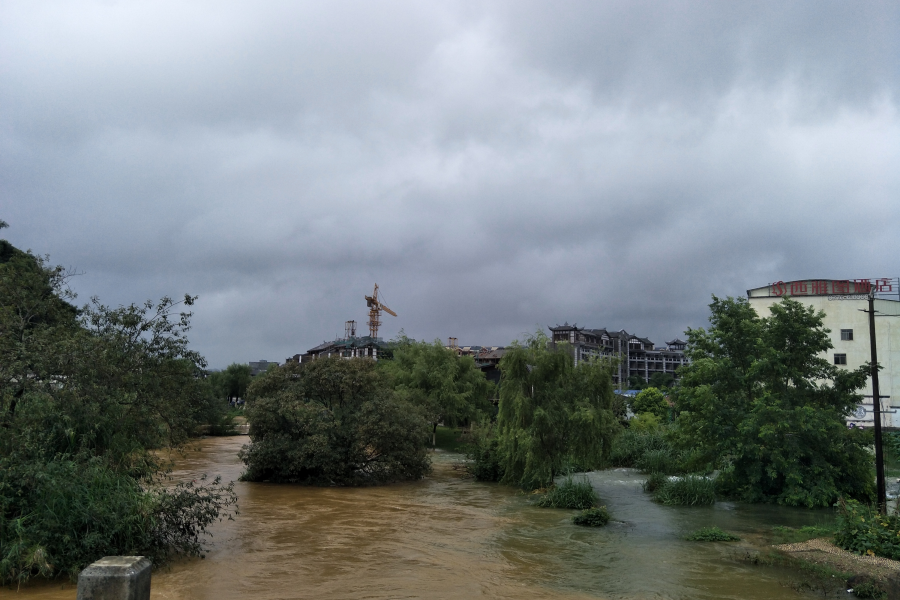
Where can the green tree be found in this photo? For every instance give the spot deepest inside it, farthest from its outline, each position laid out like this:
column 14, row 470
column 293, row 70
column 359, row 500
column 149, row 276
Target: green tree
column 652, row 401
column 217, row 384
column 447, row 387
column 332, row 421
column 759, row 402
column 553, row 415
column 236, row 379
column 636, row 382
column 661, row 381
column 84, row 396
column 645, row 422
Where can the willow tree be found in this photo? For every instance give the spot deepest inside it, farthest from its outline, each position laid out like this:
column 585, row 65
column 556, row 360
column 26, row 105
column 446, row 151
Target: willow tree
column 553, row 415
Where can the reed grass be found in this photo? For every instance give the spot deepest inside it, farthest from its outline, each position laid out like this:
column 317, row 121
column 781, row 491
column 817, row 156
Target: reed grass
column 570, row 494
column 629, row 447
column 690, row 490
column 655, row 481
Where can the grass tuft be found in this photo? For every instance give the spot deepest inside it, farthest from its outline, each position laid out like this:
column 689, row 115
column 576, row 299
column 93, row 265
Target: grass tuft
column 592, row 517
column 690, row 490
column 712, row 534
column 570, row 494
column 654, row 482
column 791, row 535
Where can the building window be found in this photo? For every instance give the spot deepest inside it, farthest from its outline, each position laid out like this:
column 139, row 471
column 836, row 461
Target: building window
column 840, row 359
column 846, row 334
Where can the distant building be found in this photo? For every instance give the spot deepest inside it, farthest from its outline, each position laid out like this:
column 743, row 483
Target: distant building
column 636, row 355
column 486, row 357
column 260, row 367
column 352, row 347
column 843, row 302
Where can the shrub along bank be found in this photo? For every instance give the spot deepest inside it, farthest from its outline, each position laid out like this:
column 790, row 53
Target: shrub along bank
column 85, row 395
column 861, row 529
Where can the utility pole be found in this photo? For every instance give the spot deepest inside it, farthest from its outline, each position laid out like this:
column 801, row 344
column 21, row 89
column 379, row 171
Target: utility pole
column 876, row 410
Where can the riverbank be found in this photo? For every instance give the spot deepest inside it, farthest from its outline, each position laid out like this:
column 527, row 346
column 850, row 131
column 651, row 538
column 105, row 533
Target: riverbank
column 822, row 552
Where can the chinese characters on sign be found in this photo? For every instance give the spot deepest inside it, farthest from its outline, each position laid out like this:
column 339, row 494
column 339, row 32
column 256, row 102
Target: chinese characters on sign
column 825, row 287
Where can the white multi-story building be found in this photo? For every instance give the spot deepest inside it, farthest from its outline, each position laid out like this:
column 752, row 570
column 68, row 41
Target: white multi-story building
column 844, row 303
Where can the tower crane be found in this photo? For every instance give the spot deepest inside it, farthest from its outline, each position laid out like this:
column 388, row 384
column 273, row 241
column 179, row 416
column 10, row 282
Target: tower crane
column 375, row 308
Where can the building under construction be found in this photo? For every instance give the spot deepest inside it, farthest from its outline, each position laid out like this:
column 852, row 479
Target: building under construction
column 636, row 355
column 351, row 345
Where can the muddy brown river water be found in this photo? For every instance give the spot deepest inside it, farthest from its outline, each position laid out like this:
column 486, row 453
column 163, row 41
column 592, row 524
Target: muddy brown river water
column 450, row 537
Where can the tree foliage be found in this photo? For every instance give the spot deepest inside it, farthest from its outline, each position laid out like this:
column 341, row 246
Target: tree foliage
column 332, row 422
column 84, row 395
column 447, row 387
column 235, row 380
column 553, row 415
column 759, row 402
column 652, row 401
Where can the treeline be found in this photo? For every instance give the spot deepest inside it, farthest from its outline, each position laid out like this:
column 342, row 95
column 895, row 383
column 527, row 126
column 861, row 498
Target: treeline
column 85, row 395
column 343, row 422
column 758, row 415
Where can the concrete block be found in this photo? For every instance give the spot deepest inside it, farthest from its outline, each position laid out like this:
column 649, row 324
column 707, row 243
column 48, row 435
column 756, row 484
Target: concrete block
column 116, row 578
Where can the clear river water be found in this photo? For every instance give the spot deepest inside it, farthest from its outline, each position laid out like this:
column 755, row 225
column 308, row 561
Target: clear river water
column 448, row 536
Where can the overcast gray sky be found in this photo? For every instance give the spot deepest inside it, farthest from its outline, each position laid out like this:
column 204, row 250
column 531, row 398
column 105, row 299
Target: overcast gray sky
column 494, row 166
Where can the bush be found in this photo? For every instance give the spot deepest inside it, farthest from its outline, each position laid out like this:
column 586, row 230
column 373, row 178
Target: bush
column 74, row 512
column 659, row 461
column 592, row 517
column 863, row 530
column 484, row 454
column 570, row 494
column 655, row 481
column 712, row 534
column 690, row 490
column 652, row 401
column 870, row 591
column 891, row 442
column 644, row 422
column 332, row 422
column 630, row 446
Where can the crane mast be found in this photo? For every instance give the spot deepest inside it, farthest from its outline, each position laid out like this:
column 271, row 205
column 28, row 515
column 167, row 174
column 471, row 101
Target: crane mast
column 375, row 308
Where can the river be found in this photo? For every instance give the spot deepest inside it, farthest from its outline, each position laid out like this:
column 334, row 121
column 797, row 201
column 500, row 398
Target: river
column 450, row 537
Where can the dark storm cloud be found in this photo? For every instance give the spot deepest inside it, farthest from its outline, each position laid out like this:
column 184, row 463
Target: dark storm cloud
column 495, row 167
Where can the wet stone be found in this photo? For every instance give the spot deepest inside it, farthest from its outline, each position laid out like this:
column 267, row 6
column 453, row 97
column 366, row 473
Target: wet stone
column 116, row 578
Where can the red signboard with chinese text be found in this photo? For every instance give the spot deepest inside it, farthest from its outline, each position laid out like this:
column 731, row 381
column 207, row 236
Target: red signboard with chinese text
column 835, row 287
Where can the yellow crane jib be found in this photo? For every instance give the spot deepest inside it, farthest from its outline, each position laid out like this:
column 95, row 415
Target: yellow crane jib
column 375, row 308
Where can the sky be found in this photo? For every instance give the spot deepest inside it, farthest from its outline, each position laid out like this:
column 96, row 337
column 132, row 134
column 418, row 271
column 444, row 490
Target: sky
column 496, row 167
